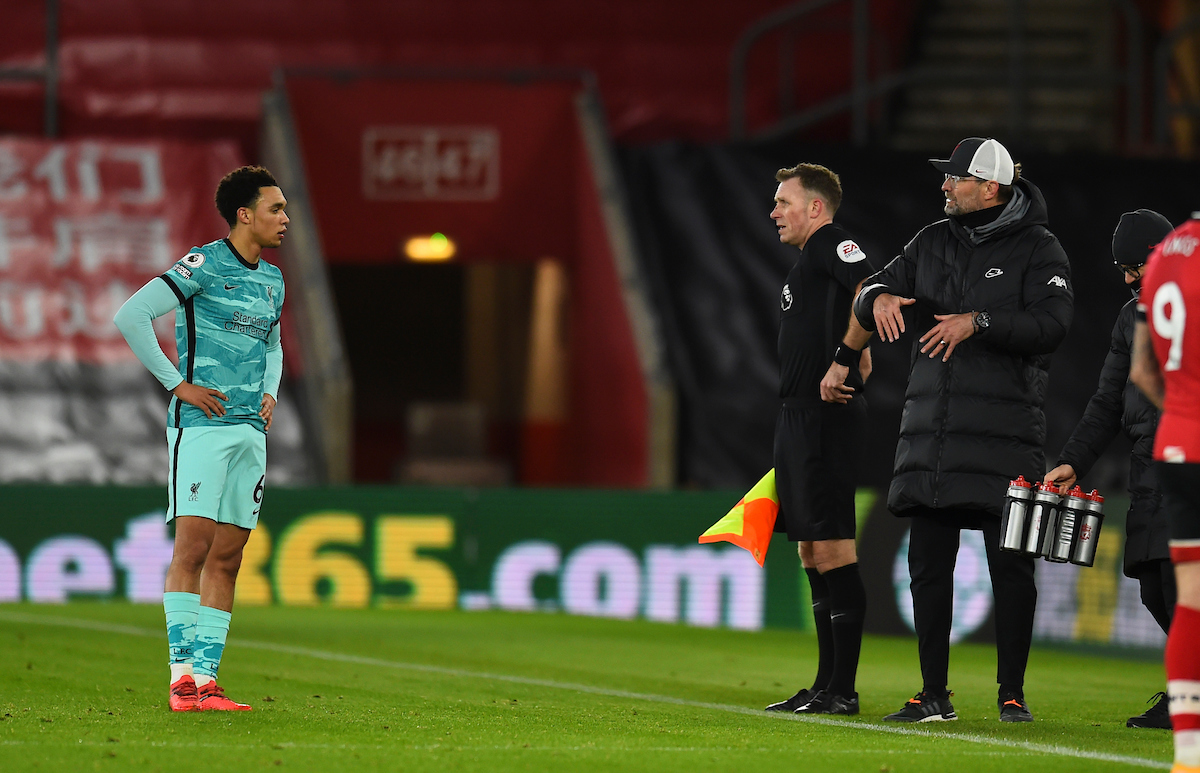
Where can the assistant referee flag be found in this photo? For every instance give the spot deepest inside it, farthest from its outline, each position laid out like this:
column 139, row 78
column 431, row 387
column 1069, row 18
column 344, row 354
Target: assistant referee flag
column 751, row 522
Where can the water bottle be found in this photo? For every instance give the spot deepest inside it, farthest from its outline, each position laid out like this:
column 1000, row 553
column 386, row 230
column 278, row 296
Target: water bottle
column 1042, row 520
column 1092, row 518
column 1070, row 515
column 1012, row 519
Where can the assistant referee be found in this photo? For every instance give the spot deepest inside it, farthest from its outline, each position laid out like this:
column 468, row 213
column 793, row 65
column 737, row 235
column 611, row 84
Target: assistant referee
column 818, row 443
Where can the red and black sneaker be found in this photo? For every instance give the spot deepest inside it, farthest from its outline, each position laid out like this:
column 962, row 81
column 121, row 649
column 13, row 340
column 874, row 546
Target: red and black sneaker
column 183, row 695
column 212, row 698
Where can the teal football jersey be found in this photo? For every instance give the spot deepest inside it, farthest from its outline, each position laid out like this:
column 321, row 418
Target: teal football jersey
column 227, row 311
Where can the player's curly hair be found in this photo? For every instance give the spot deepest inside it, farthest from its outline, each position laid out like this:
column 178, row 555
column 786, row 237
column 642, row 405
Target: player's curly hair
column 817, row 180
column 240, row 188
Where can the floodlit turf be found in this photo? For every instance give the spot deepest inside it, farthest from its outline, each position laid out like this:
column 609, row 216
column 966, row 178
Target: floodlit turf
column 83, row 687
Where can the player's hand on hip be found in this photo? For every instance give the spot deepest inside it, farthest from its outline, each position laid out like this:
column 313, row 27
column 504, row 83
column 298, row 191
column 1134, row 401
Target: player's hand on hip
column 207, row 400
column 889, row 316
column 267, row 412
column 1062, row 476
column 833, row 386
column 950, row 331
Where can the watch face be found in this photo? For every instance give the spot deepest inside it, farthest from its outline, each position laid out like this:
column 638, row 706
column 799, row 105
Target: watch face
column 983, row 319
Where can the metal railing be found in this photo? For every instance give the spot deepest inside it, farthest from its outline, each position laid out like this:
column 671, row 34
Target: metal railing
column 863, row 90
column 858, row 97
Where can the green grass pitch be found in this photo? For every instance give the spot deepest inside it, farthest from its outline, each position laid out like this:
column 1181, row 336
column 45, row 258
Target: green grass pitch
column 83, row 687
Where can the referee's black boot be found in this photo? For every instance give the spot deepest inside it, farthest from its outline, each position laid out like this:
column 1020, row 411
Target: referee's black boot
column 825, row 702
column 1157, row 716
column 794, row 702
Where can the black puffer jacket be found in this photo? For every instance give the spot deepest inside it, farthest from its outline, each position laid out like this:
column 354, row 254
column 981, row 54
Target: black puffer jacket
column 1119, row 404
column 972, row 424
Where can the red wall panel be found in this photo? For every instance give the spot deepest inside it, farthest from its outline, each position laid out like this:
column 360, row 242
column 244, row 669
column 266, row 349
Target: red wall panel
column 185, row 68
column 611, row 407
column 532, row 215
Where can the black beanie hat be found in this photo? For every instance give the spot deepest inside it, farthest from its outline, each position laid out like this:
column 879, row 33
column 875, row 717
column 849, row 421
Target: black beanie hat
column 1138, row 233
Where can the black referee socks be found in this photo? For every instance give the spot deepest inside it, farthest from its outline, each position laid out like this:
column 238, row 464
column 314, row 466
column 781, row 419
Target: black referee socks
column 847, row 606
column 820, row 608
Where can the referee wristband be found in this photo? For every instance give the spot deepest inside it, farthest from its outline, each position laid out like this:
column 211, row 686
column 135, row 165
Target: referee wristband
column 844, row 355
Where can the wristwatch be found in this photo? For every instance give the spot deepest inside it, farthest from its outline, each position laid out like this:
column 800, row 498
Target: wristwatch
column 982, row 321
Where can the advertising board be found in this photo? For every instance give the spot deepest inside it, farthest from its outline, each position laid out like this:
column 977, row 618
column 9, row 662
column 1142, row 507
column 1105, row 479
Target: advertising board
column 617, row 554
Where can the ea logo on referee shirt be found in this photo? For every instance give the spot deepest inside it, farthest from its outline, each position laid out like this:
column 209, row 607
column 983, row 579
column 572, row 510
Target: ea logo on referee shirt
column 785, row 298
column 194, row 259
column 850, row 252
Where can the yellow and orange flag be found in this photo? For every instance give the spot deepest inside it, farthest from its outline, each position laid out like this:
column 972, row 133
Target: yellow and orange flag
column 751, row 522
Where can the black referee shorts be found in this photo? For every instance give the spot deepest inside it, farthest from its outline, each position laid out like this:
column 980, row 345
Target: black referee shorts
column 816, row 454
column 1180, row 487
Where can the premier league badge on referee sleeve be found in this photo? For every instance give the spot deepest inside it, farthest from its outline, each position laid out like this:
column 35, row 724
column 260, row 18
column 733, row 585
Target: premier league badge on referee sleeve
column 785, row 298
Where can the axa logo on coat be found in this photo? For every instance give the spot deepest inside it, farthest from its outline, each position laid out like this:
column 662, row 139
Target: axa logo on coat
column 1057, row 281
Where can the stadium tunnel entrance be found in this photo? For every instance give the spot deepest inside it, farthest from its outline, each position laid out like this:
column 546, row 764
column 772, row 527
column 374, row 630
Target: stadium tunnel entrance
column 459, row 373
column 498, row 364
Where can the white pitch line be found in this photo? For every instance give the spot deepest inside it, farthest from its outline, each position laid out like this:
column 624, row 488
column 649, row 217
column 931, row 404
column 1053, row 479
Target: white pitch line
column 1037, row 748
column 267, row 746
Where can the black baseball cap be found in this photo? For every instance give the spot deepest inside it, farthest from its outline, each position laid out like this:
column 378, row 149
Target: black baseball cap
column 1137, row 234
column 978, row 157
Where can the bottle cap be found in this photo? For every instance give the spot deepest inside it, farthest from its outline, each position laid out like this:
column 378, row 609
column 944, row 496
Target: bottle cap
column 1020, row 481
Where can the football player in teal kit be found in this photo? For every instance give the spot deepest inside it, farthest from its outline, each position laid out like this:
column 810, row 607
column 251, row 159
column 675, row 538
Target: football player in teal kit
column 227, row 302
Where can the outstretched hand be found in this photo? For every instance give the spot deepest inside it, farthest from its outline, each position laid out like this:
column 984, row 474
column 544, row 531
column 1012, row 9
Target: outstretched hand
column 889, row 316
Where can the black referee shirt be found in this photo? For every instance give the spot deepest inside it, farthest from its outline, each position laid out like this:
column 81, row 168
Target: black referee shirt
column 814, row 310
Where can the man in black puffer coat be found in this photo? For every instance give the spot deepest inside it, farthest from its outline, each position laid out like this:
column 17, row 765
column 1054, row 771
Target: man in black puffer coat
column 1118, row 404
column 992, row 293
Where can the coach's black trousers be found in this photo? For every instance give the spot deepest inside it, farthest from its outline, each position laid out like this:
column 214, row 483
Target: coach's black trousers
column 932, row 552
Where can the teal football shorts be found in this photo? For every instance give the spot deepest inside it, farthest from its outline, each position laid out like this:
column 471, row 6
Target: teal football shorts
column 217, row 473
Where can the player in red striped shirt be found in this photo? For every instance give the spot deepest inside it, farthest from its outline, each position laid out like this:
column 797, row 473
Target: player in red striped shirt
column 1166, row 366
